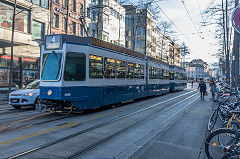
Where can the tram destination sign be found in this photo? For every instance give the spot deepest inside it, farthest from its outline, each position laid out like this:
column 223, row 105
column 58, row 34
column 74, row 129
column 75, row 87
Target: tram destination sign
column 53, row 42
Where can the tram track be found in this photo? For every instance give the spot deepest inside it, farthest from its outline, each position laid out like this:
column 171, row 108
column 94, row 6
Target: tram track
column 12, row 124
column 10, row 128
column 169, row 106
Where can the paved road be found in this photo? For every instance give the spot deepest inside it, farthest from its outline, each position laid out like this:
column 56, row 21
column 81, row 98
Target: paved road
column 175, row 129
column 183, row 139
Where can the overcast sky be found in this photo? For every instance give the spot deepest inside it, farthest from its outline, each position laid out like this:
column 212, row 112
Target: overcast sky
column 202, row 45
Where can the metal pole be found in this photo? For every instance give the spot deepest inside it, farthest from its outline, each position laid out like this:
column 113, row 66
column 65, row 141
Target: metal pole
column 50, row 21
column 236, row 53
column 11, row 63
column 145, row 17
column 66, row 31
column 227, row 56
column 224, row 39
column 21, row 72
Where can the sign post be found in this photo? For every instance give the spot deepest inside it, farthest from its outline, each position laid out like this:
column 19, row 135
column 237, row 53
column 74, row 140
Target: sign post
column 236, row 25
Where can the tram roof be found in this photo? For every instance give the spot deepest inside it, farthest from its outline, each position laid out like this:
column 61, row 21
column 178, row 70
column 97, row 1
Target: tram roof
column 176, row 67
column 103, row 44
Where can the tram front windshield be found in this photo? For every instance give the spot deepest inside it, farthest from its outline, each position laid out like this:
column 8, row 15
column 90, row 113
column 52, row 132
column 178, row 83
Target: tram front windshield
column 51, row 66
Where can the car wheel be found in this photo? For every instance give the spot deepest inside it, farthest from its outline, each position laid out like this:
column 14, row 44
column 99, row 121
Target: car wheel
column 37, row 102
column 16, row 107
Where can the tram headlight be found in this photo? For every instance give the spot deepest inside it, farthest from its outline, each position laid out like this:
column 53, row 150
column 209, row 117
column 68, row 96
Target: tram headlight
column 29, row 94
column 49, row 92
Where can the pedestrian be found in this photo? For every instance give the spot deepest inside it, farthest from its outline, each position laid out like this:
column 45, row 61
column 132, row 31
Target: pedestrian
column 213, row 88
column 192, row 83
column 202, row 87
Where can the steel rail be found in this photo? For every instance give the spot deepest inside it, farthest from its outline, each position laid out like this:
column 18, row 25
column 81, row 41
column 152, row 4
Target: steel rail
column 100, row 125
column 148, row 117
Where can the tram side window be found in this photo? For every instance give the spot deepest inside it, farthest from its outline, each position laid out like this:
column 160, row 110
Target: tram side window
column 184, row 77
column 176, row 76
column 150, row 72
column 75, row 67
column 109, row 67
column 95, row 66
column 137, row 71
column 156, row 73
column 121, row 69
column 142, row 71
column 161, row 74
column 171, row 75
column 130, row 67
column 153, row 72
column 165, row 74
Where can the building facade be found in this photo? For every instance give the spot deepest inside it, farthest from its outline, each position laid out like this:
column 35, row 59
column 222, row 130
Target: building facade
column 197, row 69
column 107, row 21
column 66, row 17
column 31, row 25
column 142, row 35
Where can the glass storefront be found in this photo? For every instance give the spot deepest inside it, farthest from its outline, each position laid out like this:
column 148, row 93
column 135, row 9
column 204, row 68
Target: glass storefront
column 30, row 68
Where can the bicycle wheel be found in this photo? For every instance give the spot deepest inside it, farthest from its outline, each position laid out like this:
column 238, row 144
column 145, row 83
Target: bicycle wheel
column 213, row 148
column 231, row 156
column 212, row 120
column 222, row 113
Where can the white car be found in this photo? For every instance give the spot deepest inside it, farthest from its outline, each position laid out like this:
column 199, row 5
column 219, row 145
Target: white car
column 29, row 95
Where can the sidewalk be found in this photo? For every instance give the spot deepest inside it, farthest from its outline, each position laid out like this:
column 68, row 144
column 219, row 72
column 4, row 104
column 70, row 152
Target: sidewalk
column 183, row 139
column 3, row 97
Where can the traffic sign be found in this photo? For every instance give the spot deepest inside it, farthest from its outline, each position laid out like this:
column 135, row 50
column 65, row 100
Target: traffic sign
column 236, row 19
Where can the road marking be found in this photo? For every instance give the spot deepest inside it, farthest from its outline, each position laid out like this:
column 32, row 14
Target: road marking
column 91, row 118
column 173, row 115
column 198, row 112
column 52, row 129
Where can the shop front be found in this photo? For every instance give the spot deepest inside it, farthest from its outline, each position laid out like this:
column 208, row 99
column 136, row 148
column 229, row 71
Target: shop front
column 26, row 67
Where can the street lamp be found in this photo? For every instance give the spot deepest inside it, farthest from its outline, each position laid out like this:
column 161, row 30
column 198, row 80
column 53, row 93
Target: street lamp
column 11, row 63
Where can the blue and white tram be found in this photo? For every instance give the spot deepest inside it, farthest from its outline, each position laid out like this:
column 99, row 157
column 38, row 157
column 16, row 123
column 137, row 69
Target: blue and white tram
column 85, row 73
column 177, row 78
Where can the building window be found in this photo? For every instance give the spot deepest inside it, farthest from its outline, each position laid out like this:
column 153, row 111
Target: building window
column 38, row 30
column 37, row 2
column 81, row 30
column 56, row 20
column 22, row 22
column 95, row 1
column 81, row 9
column 74, row 5
column 74, row 27
column 106, row 2
column 93, row 32
column 56, row 1
column 64, row 24
column 94, row 16
column 45, row 4
column 88, row 12
column 65, row 3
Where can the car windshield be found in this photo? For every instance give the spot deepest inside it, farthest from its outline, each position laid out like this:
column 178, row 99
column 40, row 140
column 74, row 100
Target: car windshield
column 32, row 85
column 51, row 66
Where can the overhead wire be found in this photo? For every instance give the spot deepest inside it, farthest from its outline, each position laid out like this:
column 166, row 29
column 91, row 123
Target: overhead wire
column 200, row 12
column 190, row 17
